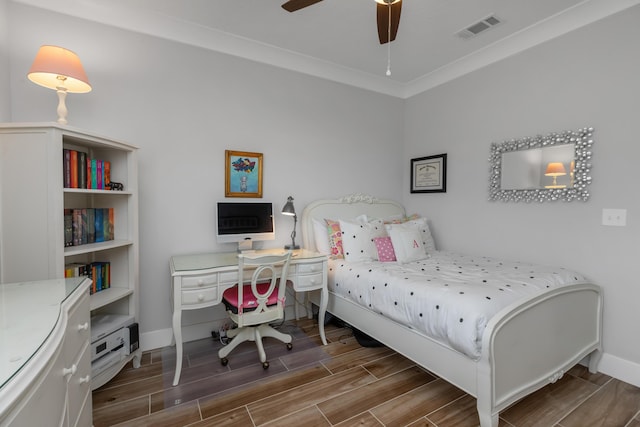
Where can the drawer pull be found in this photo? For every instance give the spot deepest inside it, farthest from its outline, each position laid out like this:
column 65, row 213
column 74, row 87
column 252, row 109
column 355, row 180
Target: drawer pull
column 84, row 379
column 83, row 326
column 70, row 371
column 200, row 282
column 200, row 297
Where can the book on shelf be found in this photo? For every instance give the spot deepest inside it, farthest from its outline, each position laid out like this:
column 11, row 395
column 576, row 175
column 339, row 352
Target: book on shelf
column 68, row 227
column 99, row 272
column 94, row 174
column 66, row 167
column 106, row 171
column 73, row 164
column 88, row 225
column 81, row 171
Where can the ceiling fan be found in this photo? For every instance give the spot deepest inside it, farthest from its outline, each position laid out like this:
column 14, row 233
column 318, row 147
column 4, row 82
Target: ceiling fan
column 388, row 15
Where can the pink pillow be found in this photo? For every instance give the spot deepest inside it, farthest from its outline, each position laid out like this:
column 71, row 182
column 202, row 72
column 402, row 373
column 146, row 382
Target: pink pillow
column 385, row 249
column 335, row 239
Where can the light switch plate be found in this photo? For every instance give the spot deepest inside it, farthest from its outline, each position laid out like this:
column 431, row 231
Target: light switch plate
column 615, row 217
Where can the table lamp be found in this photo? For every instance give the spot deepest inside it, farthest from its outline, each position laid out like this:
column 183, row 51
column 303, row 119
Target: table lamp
column 59, row 69
column 289, row 210
column 555, row 169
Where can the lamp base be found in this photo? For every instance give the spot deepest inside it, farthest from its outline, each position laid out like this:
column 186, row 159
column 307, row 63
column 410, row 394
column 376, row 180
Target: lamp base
column 292, row 247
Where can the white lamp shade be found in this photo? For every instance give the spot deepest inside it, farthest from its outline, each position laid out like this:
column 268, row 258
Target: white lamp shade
column 56, row 67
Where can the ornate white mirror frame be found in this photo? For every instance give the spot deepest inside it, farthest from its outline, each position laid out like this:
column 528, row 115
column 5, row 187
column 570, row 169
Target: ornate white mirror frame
column 579, row 168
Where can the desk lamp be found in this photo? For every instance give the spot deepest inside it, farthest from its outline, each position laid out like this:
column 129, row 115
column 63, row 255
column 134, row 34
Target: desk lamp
column 289, row 210
column 555, row 169
column 59, row 69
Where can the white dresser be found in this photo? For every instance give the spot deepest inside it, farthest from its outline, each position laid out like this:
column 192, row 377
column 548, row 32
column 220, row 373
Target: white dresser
column 45, row 361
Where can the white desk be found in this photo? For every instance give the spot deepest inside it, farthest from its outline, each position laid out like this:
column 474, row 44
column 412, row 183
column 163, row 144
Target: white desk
column 199, row 280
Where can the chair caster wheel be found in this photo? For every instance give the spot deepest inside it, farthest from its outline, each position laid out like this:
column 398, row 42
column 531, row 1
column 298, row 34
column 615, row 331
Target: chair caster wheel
column 224, row 361
column 265, row 365
column 289, row 346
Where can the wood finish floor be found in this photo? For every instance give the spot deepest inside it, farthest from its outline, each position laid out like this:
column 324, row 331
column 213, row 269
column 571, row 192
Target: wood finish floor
column 341, row 384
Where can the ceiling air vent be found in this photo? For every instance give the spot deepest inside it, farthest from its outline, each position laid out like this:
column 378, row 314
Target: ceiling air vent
column 479, row 27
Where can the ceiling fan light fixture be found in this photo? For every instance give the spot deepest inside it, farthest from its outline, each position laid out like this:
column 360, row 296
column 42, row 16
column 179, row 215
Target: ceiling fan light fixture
column 387, row 1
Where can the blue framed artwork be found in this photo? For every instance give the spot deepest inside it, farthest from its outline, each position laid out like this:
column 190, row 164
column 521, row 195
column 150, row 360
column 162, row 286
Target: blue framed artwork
column 243, row 174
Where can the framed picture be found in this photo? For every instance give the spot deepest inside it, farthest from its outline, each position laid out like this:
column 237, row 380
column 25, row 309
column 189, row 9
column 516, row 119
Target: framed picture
column 429, row 174
column 243, row 174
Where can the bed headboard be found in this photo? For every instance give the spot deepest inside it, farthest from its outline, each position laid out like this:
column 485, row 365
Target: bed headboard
column 346, row 207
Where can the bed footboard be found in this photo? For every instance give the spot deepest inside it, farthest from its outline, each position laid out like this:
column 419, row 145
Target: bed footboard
column 528, row 346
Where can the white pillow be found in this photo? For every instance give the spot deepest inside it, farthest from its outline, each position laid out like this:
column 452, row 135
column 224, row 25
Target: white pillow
column 427, row 239
column 321, row 237
column 407, row 243
column 357, row 239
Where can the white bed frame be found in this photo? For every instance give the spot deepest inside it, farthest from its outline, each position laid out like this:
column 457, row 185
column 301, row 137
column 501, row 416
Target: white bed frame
column 524, row 347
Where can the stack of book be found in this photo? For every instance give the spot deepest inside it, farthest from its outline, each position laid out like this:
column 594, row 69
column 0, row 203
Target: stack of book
column 82, row 172
column 99, row 272
column 88, row 225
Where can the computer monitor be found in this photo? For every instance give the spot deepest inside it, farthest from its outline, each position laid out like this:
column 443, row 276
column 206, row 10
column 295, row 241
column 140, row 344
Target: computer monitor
column 244, row 222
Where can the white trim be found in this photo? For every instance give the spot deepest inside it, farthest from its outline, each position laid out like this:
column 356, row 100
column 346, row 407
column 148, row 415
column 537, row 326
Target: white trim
column 161, row 26
column 622, row 369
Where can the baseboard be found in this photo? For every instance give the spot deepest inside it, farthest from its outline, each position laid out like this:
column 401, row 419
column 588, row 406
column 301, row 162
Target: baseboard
column 622, row 369
column 164, row 337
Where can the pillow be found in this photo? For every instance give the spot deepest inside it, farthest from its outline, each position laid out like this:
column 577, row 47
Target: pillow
column 427, row 240
column 399, row 219
column 385, row 249
column 357, row 239
column 407, row 243
column 321, row 237
column 335, row 239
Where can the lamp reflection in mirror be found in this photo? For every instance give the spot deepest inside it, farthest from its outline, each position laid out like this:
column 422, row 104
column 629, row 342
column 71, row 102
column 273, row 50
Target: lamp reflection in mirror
column 555, row 169
column 59, row 69
column 290, row 210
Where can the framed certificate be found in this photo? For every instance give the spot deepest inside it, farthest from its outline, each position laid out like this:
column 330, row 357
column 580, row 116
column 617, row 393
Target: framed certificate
column 429, row 174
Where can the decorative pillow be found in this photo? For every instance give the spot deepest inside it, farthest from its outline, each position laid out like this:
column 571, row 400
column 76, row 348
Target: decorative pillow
column 357, row 239
column 398, row 219
column 407, row 243
column 421, row 224
column 321, row 237
column 385, row 249
column 335, row 239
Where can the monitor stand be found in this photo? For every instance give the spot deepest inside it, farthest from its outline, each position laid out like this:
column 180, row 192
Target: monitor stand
column 245, row 246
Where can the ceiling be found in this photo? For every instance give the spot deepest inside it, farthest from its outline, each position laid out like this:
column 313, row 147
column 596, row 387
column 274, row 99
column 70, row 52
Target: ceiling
column 337, row 39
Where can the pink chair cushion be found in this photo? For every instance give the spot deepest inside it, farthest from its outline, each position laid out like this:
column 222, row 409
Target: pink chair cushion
column 249, row 301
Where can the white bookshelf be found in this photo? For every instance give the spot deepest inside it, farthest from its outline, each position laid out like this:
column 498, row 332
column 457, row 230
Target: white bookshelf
column 33, row 199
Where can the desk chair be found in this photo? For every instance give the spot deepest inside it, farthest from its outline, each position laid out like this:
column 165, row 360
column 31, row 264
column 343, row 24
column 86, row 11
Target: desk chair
column 256, row 303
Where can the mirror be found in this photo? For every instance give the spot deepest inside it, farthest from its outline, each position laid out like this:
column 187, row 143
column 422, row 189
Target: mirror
column 542, row 168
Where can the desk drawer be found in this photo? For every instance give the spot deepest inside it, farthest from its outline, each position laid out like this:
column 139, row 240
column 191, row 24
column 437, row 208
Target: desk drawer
column 206, row 280
column 310, row 268
column 200, row 296
column 309, row 281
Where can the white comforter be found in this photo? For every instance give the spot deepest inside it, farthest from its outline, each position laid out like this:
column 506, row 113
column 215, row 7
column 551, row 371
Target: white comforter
column 449, row 297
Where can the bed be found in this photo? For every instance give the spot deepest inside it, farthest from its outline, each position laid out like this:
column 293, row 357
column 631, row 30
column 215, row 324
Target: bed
column 551, row 321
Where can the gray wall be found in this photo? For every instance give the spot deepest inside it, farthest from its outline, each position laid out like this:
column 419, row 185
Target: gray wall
column 183, row 106
column 5, row 100
column 586, row 78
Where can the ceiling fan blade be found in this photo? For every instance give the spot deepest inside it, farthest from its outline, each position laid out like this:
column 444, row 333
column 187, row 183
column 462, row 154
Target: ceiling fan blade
column 383, row 21
column 293, row 5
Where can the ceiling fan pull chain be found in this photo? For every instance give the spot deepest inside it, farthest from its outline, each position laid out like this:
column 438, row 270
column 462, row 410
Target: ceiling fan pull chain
column 389, row 42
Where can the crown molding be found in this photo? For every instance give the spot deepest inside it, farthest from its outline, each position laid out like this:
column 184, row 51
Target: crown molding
column 582, row 14
column 161, row 26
